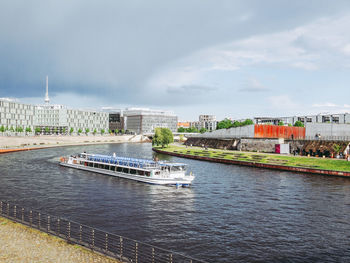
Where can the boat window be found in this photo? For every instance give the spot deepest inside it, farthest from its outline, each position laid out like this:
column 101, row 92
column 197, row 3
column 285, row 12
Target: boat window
column 178, row 168
column 91, row 164
column 147, row 173
column 141, row 172
column 157, row 173
column 126, row 170
column 113, row 168
column 100, row 166
column 119, row 169
column 132, row 171
column 107, row 167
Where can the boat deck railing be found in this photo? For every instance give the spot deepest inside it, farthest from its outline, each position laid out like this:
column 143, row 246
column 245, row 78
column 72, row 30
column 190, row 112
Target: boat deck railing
column 125, row 161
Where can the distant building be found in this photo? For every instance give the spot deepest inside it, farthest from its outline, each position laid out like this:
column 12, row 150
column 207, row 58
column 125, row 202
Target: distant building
column 58, row 119
column 14, row 114
column 207, row 122
column 50, row 118
column 143, row 120
column 341, row 118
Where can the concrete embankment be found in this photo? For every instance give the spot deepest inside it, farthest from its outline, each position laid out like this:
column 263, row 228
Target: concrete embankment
column 19, row 243
column 274, row 166
column 25, row 143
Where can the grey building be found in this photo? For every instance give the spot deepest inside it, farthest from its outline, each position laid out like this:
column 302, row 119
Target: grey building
column 142, row 120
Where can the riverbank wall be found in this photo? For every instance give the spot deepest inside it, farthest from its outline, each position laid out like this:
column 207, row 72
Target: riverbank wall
column 257, row 164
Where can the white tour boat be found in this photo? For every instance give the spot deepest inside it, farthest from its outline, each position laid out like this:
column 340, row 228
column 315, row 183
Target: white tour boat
column 143, row 170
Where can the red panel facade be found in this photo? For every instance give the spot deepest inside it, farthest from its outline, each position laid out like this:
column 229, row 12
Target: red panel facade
column 275, row 131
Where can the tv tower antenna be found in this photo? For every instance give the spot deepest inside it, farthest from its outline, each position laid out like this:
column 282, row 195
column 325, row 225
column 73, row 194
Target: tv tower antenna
column 47, row 99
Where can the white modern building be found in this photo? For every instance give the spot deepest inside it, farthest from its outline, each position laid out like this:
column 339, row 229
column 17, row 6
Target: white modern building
column 144, row 120
column 50, row 118
column 14, row 114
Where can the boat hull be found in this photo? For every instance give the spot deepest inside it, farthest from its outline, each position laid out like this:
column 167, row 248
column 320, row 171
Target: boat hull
column 144, row 179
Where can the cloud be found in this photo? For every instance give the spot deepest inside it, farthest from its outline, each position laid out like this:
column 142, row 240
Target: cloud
column 327, row 104
column 283, row 102
column 188, row 90
column 253, row 85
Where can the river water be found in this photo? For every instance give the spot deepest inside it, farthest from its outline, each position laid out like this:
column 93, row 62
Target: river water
column 230, row 214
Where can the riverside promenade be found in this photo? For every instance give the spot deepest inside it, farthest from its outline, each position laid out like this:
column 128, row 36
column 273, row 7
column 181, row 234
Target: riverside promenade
column 313, row 165
column 19, row 243
column 25, row 143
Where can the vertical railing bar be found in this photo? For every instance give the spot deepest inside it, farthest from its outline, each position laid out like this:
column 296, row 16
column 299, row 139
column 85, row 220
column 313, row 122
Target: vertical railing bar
column 22, row 215
column 15, row 212
column 136, row 246
column 121, row 248
column 58, row 226
column 39, row 222
column 48, row 224
column 106, row 243
column 80, row 233
column 68, row 234
column 30, row 218
column 93, row 238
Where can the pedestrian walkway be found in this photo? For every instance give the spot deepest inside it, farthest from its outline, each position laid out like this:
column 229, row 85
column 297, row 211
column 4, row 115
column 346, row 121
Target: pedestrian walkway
column 19, row 243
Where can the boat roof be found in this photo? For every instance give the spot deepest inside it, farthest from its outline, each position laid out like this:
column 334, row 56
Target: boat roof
column 130, row 161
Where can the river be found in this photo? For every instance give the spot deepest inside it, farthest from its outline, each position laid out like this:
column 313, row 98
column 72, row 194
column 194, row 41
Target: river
column 230, row 214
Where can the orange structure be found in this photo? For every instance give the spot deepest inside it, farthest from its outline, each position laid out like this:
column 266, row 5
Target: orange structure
column 275, row 131
column 183, row 124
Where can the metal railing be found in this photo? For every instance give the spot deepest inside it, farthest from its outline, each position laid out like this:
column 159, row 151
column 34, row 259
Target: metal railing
column 326, row 138
column 119, row 247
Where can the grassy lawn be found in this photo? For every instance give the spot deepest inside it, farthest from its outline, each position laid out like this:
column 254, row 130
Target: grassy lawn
column 297, row 161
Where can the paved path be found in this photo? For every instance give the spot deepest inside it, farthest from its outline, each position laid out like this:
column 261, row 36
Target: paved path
column 19, row 243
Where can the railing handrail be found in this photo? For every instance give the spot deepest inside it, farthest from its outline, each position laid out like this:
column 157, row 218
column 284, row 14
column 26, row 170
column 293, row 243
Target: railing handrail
column 71, row 239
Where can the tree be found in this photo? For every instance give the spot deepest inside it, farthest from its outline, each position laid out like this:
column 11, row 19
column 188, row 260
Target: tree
column 192, row 130
column 110, row 131
column 224, row 124
column 167, row 136
column 47, row 130
column 247, row 122
column 2, row 128
column 12, row 129
column 102, row 131
column 37, row 130
column 280, row 123
column 95, row 131
column 64, row 130
column 181, row 129
column 202, row 130
column 298, row 124
column 28, row 129
column 71, row 131
column 55, row 130
column 122, row 131
column 158, row 137
column 87, row 130
column 79, row 131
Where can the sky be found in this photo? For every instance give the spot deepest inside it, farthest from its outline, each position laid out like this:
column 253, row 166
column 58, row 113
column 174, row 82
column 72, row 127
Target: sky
column 236, row 59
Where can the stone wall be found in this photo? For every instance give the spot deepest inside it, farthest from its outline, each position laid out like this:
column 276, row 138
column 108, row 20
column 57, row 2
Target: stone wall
column 229, row 144
column 258, row 145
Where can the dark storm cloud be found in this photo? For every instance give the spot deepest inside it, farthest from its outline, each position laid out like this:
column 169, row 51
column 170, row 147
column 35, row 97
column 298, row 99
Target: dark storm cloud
column 109, row 49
